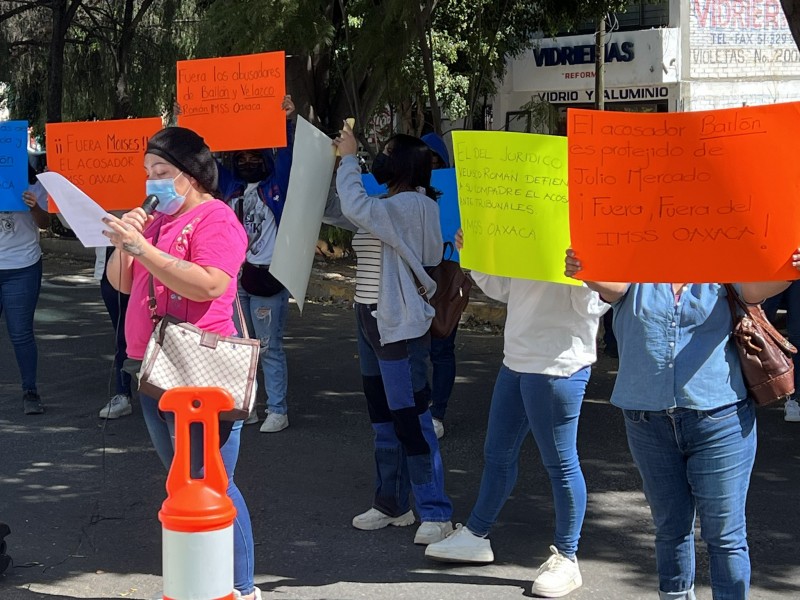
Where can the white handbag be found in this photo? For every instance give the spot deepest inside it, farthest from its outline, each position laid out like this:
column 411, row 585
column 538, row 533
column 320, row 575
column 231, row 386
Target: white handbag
column 180, row 354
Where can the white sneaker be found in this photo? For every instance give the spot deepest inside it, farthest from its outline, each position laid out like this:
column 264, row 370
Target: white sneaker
column 461, row 545
column 118, row 406
column 438, row 428
column 557, row 576
column 252, row 418
column 431, row 532
column 274, row 422
column 374, row 519
column 237, row 595
column 791, row 411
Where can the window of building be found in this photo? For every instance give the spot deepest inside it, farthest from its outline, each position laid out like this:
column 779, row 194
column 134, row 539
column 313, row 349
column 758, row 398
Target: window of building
column 640, row 14
column 554, row 119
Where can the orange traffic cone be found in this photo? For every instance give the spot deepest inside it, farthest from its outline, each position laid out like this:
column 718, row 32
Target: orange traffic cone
column 197, row 516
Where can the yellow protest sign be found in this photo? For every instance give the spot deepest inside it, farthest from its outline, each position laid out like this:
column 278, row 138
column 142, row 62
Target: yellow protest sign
column 512, row 195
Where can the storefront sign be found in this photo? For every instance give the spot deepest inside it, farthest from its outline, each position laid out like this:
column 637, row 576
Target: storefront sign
column 633, row 58
column 625, row 94
column 582, row 55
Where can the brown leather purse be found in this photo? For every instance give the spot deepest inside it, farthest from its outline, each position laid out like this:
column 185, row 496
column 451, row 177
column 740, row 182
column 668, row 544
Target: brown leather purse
column 451, row 296
column 766, row 355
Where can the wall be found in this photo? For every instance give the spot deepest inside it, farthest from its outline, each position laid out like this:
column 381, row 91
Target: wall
column 739, row 52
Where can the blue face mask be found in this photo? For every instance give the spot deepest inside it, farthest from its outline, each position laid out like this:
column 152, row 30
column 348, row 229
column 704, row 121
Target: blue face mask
column 169, row 200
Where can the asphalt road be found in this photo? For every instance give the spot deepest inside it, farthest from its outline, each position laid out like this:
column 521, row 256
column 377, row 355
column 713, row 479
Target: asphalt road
column 82, row 496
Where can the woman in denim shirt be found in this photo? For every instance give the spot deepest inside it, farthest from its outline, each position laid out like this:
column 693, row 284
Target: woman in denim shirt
column 691, row 428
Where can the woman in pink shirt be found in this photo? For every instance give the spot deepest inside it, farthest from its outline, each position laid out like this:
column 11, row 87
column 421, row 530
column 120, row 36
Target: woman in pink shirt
column 193, row 247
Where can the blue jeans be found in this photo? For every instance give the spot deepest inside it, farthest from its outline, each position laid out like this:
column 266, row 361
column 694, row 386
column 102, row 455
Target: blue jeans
column 117, row 305
column 162, row 434
column 407, row 457
column 266, row 319
column 697, row 462
column 549, row 407
column 443, row 361
column 792, row 298
column 19, row 294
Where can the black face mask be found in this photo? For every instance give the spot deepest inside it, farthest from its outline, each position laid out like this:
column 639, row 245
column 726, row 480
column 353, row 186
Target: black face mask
column 252, row 173
column 382, row 168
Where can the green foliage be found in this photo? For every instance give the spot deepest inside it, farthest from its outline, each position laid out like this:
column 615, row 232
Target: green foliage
column 346, row 57
column 297, row 26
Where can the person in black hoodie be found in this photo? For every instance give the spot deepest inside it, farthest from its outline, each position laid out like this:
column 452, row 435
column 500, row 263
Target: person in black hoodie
column 256, row 191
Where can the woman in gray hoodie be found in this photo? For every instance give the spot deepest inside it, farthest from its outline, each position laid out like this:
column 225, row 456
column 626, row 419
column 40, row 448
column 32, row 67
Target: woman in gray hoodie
column 396, row 237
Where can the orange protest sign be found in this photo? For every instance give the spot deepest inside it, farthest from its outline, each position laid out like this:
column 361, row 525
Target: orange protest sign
column 685, row 197
column 234, row 102
column 105, row 159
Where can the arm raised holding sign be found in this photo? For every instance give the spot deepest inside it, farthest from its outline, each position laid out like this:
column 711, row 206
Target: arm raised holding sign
column 679, row 369
column 758, row 291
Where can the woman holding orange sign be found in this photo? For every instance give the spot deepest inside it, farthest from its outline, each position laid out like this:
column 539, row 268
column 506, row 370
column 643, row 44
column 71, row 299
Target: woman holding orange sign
column 691, row 427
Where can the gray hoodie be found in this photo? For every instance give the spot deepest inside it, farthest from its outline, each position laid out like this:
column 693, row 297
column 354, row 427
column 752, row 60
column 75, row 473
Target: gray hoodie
column 407, row 224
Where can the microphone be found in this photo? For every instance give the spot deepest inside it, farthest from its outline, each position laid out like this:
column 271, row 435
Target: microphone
column 150, row 203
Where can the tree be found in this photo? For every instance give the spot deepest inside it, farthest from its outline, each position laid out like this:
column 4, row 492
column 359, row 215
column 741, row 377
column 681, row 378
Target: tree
column 116, row 31
column 63, row 11
column 424, row 60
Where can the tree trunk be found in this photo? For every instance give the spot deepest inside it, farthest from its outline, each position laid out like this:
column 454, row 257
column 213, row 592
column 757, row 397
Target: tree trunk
column 63, row 13
column 791, row 9
column 55, row 63
column 122, row 53
column 422, row 20
column 599, row 65
column 122, row 97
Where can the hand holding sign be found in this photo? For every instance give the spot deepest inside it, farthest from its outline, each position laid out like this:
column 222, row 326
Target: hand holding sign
column 346, row 143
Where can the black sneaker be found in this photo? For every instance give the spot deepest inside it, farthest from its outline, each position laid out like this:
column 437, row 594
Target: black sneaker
column 32, row 403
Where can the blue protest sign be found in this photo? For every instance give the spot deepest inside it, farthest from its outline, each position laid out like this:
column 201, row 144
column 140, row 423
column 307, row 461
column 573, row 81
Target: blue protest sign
column 13, row 164
column 372, row 187
column 444, row 180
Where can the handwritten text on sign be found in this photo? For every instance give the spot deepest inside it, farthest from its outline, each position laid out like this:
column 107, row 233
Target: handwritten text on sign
column 105, row 159
column 685, row 197
column 512, row 195
column 13, row 164
column 234, row 102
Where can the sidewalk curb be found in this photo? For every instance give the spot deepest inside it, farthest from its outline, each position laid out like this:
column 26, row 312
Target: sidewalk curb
column 334, row 286
column 325, row 283
column 63, row 247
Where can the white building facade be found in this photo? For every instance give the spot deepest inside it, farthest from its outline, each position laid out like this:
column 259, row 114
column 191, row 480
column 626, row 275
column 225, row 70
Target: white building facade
column 668, row 56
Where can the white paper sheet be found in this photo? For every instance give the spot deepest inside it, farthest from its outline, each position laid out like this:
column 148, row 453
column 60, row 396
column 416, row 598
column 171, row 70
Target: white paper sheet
column 83, row 214
column 309, row 181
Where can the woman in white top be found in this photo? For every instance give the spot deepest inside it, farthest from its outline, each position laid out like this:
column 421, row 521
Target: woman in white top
column 20, row 281
column 549, row 346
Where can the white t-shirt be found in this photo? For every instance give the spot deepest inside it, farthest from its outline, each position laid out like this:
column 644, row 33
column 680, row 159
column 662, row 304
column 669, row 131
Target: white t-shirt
column 550, row 327
column 259, row 223
column 19, row 234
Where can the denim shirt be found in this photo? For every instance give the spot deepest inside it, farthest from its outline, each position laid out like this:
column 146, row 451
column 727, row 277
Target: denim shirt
column 675, row 353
